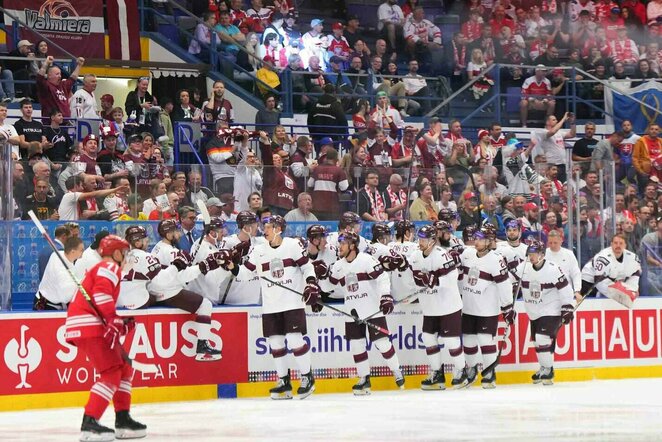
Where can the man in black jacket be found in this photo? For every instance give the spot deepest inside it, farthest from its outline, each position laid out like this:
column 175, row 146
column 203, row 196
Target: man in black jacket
column 327, row 117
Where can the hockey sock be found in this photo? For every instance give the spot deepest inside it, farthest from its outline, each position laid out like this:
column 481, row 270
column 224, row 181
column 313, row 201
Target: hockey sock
column 203, row 319
column 300, row 349
column 545, row 350
column 471, row 350
column 488, row 348
column 432, row 350
column 388, row 352
column 102, row 392
column 360, row 356
column 279, row 353
column 456, row 355
column 122, row 398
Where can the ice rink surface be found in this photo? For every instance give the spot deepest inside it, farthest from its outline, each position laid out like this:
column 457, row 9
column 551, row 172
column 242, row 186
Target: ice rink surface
column 624, row 410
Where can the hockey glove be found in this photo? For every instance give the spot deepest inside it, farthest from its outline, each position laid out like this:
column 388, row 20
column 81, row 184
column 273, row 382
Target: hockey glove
column 115, row 328
column 223, row 259
column 455, row 254
column 182, row 260
column 509, row 314
column 391, row 263
column 421, row 279
column 129, row 324
column 321, row 269
column 311, row 294
column 209, row 264
column 567, row 313
column 240, row 250
column 386, row 304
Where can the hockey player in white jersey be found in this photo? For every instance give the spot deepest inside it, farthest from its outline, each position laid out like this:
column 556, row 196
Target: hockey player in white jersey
column 565, row 259
column 513, row 250
column 615, row 272
column 436, row 270
column 349, row 222
column 548, row 302
column 447, row 239
column 145, row 282
column 366, row 288
column 167, row 249
column 209, row 284
column 378, row 248
column 322, row 255
column 402, row 279
column 486, row 292
column 285, row 260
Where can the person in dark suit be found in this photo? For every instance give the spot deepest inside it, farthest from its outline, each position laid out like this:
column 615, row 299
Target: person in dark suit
column 189, row 236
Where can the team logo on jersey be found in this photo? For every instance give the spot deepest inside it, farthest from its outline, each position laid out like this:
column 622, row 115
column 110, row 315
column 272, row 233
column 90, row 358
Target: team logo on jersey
column 277, row 268
column 352, row 282
column 473, row 276
column 23, row 357
column 535, row 289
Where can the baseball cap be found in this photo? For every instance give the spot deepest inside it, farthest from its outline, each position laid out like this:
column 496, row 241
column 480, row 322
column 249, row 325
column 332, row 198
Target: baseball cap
column 615, row 10
column 136, row 138
column 470, row 195
column 316, row 21
column 214, row 202
column 268, row 59
column 108, row 97
column 337, row 26
column 325, row 141
column 90, row 137
column 530, row 206
column 381, row 94
column 22, row 43
column 108, row 131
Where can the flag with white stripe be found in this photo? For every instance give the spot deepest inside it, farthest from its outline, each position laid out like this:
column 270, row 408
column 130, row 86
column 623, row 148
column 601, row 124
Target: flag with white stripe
column 123, row 29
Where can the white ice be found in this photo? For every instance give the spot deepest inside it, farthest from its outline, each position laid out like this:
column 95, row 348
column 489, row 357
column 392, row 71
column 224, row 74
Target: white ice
column 626, row 410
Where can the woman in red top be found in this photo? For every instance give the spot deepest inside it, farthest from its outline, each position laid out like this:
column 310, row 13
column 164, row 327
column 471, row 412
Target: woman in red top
column 94, row 326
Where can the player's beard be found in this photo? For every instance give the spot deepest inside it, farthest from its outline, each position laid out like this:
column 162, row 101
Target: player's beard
column 444, row 242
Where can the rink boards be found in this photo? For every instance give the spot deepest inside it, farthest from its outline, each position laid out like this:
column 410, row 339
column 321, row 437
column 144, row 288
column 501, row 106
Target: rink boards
column 40, row 370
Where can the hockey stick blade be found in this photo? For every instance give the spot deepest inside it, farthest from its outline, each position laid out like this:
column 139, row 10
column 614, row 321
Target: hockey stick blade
column 145, row 368
column 331, row 307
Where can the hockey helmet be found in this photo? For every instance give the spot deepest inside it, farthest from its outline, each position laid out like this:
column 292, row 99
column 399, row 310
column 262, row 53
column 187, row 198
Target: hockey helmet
column 347, row 219
column 276, row 220
column 215, row 223
column 427, row 232
column 402, row 226
column 535, row 246
column 110, row 243
column 443, row 226
column 469, row 233
column 489, row 230
column 447, row 215
column 246, row 218
column 349, row 237
column 166, row 226
column 134, row 233
column 316, row 231
column 514, row 224
column 379, row 230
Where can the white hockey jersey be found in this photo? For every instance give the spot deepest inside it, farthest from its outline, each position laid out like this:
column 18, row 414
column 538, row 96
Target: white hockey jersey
column 604, row 269
column 513, row 255
column 165, row 252
column 544, row 290
column 208, row 285
column 566, row 260
column 377, row 250
column 362, row 282
column 328, row 255
column 444, row 297
column 484, row 283
column 244, row 288
column 402, row 283
column 88, row 260
column 287, row 264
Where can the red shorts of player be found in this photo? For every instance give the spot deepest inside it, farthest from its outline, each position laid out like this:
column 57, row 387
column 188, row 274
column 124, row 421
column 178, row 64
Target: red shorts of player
column 546, row 325
column 354, row 330
column 484, row 325
column 282, row 323
column 101, row 356
column 448, row 326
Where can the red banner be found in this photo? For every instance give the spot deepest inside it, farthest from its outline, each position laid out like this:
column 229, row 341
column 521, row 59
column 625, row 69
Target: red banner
column 75, row 25
column 38, row 360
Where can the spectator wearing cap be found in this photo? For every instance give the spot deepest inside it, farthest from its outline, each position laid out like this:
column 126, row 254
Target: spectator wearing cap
column 291, row 28
column 269, row 79
column 258, row 16
column 86, row 160
column 136, row 163
column 327, row 116
column 338, row 44
column 390, row 21
column 469, row 210
column 52, row 90
column 303, row 211
column 107, row 106
column 214, row 206
column 110, row 160
column 352, row 31
column 29, row 130
column 228, row 212
column 58, row 138
column 612, row 23
column 269, row 117
column 83, row 103
column 536, row 94
column 20, row 69
column 531, row 219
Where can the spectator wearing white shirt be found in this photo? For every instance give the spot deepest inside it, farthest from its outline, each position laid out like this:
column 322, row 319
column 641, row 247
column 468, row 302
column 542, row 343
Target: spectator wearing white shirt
column 416, row 86
column 57, row 288
column 68, row 209
column 391, row 19
column 550, row 142
column 7, row 131
column 247, row 179
column 83, row 103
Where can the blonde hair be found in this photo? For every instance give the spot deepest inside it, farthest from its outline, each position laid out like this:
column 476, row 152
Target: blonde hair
column 477, row 56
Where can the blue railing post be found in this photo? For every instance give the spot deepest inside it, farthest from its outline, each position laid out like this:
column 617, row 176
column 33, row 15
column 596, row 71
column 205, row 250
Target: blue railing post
column 213, row 54
column 141, row 8
column 573, row 72
column 497, row 93
column 175, row 147
column 15, row 33
column 287, row 98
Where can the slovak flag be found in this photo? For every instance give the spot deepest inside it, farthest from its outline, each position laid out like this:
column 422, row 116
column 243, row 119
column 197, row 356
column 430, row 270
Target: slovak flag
column 123, row 29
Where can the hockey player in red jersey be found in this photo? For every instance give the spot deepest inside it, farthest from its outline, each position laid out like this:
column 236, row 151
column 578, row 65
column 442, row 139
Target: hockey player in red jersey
column 94, row 326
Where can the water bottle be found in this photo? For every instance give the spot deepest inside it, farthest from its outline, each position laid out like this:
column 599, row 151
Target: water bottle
column 223, row 115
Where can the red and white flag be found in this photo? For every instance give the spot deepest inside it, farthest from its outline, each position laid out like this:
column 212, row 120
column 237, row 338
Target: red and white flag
column 123, row 29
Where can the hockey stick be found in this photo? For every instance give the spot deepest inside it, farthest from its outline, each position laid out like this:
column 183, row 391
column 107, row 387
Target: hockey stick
column 331, row 307
column 145, row 368
column 402, row 301
column 206, row 219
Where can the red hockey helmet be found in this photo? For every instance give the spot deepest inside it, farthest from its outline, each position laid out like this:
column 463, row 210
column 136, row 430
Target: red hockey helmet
column 110, row 243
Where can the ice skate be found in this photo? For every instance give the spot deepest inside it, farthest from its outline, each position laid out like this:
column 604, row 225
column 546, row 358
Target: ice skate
column 547, row 376
column 399, row 379
column 436, row 381
column 472, row 375
column 127, row 428
column 489, row 379
column 460, row 379
column 283, row 388
column 307, row 386
column 207, row 353
column 92, row 430
column 362, row 387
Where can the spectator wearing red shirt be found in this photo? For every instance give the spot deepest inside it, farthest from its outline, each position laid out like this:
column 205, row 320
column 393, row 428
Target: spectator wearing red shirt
column 167, row 213
column 54, row 92
column 603, row 9
column 500, row 20
column 612, row 23
column 279, row 188
column 327, row 181
column 536, row 94
column 471, row 28
column 86, row 160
